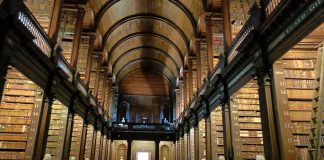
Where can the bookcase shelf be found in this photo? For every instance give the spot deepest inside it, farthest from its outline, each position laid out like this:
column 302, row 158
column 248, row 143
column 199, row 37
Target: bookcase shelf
column 245, row 103
column 19, row 110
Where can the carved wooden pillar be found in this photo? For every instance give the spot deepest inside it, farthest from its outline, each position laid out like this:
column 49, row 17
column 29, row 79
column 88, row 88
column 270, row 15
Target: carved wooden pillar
column 227, row 132
column 89, row 60
column 55, row 19
column 129, row 149
column 209, row 38
column 157, row 149
column 40, row 148
column 104, row 89
column 84, row 136
column 208, row 133
column 77, row 36
column 68, row 132
column 227, row 27
column 94, row 140
column 198, row 64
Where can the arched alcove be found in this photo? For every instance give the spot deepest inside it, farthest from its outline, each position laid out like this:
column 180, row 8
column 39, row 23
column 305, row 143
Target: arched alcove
column 165, row 152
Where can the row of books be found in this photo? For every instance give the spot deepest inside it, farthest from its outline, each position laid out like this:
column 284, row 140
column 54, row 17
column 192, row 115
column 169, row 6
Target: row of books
column 299, row 81
column 300, row 64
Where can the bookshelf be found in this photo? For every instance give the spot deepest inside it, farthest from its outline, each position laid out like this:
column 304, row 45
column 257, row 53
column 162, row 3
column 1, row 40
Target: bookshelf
column 239, row 14
column 204, row 61
column 194, row 75
column 217, row 133
column 42, row 11
column 192, row 143
column 218, row 41
column 66, row 31
column 19, row 111
column 98, row 145
column 76, row 137
column 202, row 139
column 89, row 139
column 104, row 148
column 83, row 56
column 57, row 130
column 298, row 66
column 246, row 103
column 93, row 73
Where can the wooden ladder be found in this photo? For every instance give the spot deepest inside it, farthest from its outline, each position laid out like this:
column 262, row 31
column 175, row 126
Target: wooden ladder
column 314, row 147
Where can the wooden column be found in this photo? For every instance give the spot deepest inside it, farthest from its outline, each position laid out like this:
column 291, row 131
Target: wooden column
column 55, row 19
column 227, row 26
column 209, row 38
column 84, row 137
column 108, row 149
column 198, row 65
column 227, row 132
column 77, row 36
column 43, row 127
column 184, row 89
column 196, row 132
column 185, row 146
column 208, row 133
column 129, row 149
column 267, row 119
column 94, row 140
column 157, row 150
column 68, row 134
column 89, row 59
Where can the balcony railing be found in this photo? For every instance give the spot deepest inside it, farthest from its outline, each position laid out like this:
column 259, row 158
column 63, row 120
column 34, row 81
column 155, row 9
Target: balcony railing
column 142, row 127
column 270, row 6
column 40, row 37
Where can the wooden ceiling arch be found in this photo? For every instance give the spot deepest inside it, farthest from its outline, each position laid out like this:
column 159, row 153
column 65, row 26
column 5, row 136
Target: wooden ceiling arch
column 131, row 29
column 149, row 40
column 145, row 64
column 146, row 54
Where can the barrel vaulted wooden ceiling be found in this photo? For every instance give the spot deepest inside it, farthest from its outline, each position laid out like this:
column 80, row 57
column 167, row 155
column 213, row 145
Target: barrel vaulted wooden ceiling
column 154, row 34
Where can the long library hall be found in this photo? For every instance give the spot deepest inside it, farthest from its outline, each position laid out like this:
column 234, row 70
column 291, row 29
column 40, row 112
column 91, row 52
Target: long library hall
column 161, row 79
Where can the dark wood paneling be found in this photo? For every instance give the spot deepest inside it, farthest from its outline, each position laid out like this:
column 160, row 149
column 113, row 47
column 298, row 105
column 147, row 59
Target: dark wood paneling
column 145, row 82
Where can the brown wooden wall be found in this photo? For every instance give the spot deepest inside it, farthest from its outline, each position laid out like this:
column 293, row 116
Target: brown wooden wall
column 145, row 82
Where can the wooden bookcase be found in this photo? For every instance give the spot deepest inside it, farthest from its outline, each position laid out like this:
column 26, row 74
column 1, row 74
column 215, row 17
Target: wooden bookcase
column 192, row 143
column 98, row 145
column 19, row 111
column 42, row 11
column 89, row 139
column 76, row 137
column 202, row 139
column 245, row 102
column 66, row 31
column 83, row 56
column 217, row 133
column 239, row 14
column 298, row 67
column 204, row 61
column 57, row 130
column 218, row 41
